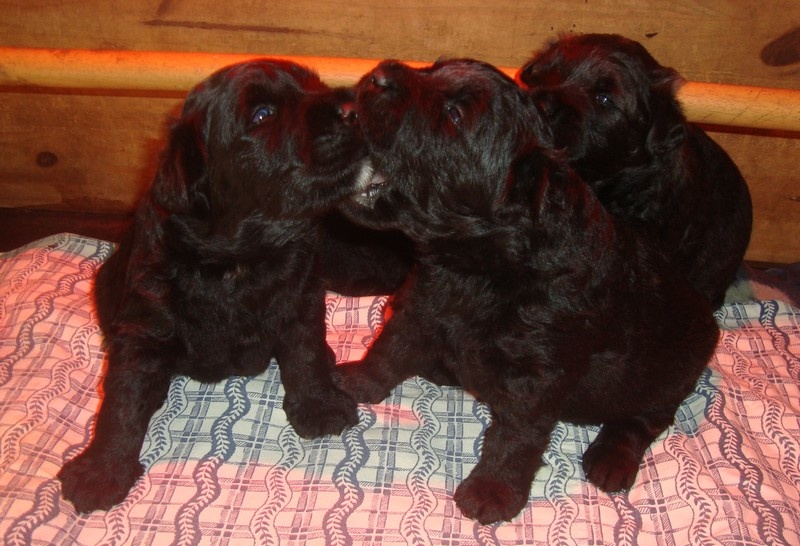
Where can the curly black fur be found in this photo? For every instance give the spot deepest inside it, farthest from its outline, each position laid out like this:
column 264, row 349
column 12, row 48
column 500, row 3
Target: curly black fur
column 527, row 291
column 613, row 109
column 227, row 263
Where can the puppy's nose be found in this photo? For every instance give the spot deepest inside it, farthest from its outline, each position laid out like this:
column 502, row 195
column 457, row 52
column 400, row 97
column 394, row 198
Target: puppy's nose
column 380, row 79
column 347, row 111
column 526, row 76
column 546, row 103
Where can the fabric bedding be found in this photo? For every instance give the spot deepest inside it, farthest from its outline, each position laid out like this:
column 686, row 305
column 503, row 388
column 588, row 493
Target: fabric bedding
column 224, row 467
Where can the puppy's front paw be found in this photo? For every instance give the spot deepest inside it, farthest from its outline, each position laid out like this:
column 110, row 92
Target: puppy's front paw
column 489, row 500
column 314, row 416
column 610, row 466
column 92, row 482
column 361, row 387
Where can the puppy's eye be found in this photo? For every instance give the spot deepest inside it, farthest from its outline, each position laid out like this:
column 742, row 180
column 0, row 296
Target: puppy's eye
column 603, row 99
column 261, row 114
column 455, row 114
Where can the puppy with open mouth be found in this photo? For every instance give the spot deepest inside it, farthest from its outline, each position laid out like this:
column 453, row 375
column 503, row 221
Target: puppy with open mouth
column 526, row 291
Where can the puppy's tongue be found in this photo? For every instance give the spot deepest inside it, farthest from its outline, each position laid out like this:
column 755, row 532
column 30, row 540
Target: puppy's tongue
column 369, row 183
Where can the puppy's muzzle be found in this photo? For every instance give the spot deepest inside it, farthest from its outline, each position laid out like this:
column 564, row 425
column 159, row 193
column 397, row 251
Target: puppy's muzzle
column 369, row 185
column 379, row 79
column 347, row 111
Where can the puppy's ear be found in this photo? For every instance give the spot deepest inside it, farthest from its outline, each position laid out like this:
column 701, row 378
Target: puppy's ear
column 181, row 182
column 668, row 130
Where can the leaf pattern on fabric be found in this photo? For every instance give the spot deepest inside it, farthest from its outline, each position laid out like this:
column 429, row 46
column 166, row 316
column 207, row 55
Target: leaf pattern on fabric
column 223, row 466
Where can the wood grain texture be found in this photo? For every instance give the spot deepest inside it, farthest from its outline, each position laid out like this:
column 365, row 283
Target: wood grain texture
column 164, row 71
column 706, row 40
column 767, row 163
column 102, row 150
column 84, row 151
column 148, row 71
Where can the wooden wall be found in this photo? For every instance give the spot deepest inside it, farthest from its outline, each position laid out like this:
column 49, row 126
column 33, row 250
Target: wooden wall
column 91, row 151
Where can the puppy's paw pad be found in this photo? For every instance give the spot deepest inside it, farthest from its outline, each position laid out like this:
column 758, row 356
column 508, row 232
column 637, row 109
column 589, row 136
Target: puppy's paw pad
column 91, row 483
column 610, row 466
column 312, row 417
column 488, row 500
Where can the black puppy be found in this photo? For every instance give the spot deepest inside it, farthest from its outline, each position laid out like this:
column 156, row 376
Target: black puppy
column 220, row 271
column 526, row 291
column 613, row 108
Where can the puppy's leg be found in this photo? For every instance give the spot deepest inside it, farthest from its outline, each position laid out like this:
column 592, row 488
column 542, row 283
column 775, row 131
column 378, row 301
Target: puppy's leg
column 102, row 475
column 441, row 376
column 314, row 405
column 612, row 460
column 400, row 351
column 498, row 487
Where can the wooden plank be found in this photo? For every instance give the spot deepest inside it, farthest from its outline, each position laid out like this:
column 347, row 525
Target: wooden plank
column 741, row 106
column 75, row 153
column 148, row 71
column 79, row 152
column 716, row 41
column 767, row 163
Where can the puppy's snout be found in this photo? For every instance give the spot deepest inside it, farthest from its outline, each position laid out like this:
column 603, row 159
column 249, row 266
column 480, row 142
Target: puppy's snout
column 546, row 103
column 525, row 76
column 379, row 79
column 347, row 111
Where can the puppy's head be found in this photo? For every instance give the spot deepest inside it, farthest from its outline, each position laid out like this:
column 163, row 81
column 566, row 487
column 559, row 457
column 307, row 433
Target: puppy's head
column 608, row 102
column 441, row 140
column 264, row 137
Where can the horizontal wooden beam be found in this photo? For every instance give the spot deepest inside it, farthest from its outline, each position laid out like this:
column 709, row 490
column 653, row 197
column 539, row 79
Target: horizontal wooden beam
column 163, row 71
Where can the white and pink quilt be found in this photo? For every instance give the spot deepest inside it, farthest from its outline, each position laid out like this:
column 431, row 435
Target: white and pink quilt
column 224, row 467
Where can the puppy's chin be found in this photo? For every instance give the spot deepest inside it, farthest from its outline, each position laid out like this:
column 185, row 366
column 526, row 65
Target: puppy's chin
column 370, row 184
column 365, row 206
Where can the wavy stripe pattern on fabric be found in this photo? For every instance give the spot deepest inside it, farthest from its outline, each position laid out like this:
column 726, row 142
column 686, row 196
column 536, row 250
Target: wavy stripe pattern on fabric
column 556, row 489
column 345, row 477
column 205, row 476
column 691, row 473
column 20, row 278
column 732, row 441
column 37, row 404
column 159, row 441
column 412, row 525
column 704, row 511
column 44, row 305
column 45, row 507
column 279, row 492
column 277, row 488
column 780, row 341
column 626, row 531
